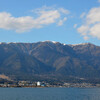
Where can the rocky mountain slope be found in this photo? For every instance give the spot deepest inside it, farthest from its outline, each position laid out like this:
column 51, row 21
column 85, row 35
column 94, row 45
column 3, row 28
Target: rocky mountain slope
column 50, row 59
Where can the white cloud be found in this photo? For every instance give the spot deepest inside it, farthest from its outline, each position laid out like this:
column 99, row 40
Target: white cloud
column 83, row 29
column 98, row 0
column 93, row 16
column 60, row 23
column 86, row 38
column 46, row 16
column 95, row 30
column 75, row 25
column 83, row 15
column 65, row 11
column 91, row 26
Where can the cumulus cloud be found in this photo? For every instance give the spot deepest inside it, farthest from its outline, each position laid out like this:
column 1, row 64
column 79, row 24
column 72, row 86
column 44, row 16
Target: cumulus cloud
column 91, row 26
column 20, row 24
column 45, row 16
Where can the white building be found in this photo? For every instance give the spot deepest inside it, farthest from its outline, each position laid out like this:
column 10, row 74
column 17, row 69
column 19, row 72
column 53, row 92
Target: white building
column 38, row 83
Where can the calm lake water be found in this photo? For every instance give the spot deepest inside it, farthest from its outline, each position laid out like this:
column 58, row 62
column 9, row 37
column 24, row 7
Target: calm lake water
column 49, row 93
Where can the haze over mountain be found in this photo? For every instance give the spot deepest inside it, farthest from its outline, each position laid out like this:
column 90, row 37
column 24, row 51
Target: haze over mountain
column 49, row 59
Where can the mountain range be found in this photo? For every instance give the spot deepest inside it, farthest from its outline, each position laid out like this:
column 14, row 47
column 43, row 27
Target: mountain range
column 49, row 59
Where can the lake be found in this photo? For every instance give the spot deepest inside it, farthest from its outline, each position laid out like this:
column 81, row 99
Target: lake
column 49, row 93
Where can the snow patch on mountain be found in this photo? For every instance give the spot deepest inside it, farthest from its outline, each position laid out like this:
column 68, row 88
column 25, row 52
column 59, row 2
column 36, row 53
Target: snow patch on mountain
column 79, row 44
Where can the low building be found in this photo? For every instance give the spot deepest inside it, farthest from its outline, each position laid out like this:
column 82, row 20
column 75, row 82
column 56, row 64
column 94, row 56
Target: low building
column 38, row 83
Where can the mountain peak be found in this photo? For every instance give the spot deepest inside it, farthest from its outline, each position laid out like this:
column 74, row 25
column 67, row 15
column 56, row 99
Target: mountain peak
column 50, row 41
column 49, row 58
column 80, row 44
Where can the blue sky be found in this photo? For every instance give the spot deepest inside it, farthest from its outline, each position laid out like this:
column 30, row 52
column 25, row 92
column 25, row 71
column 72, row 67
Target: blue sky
column 65, row 21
